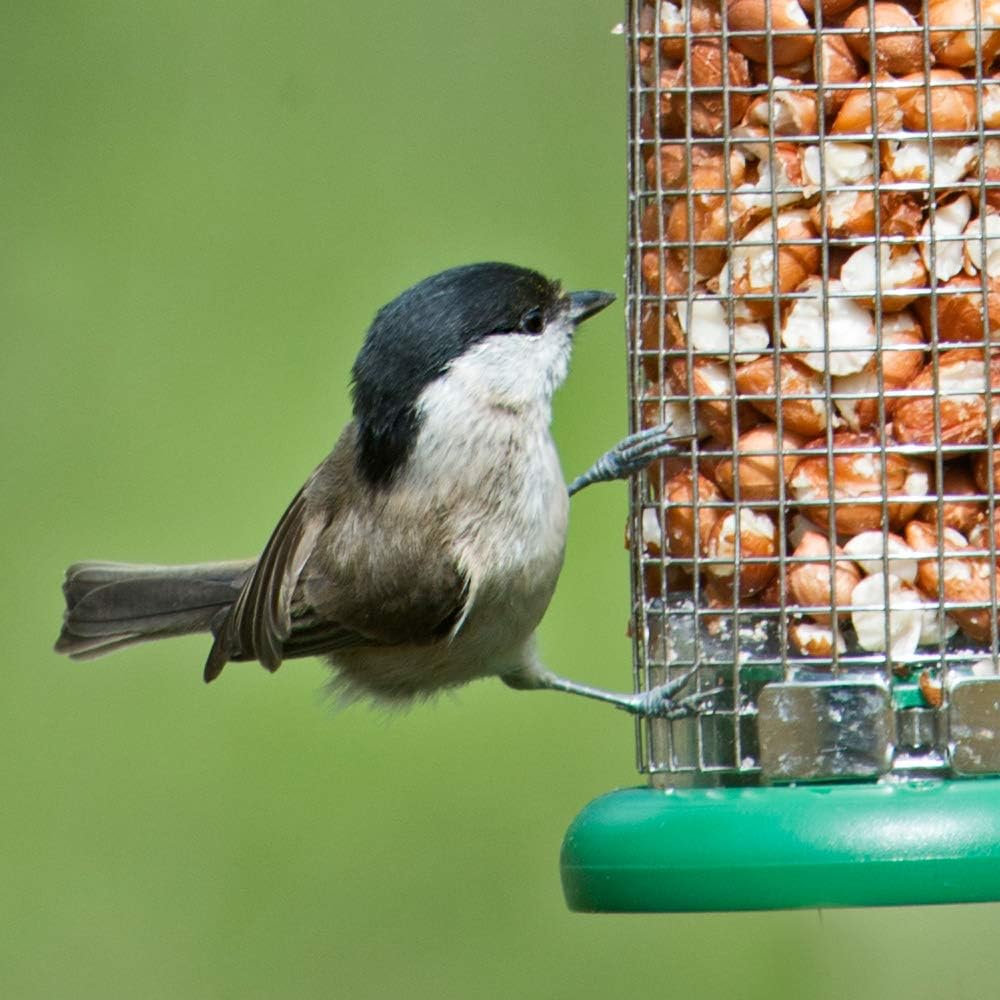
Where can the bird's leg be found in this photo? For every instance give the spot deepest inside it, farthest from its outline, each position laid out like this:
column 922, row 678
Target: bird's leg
column 658, row 702
column 630, row 455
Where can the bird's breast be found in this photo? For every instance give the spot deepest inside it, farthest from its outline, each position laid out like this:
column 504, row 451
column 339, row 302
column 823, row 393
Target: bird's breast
column 499, row 483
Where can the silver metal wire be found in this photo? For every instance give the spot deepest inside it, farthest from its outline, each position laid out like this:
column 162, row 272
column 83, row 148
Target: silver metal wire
column 800, row 234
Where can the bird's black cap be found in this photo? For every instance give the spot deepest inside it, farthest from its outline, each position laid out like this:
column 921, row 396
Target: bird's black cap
column 414, row 338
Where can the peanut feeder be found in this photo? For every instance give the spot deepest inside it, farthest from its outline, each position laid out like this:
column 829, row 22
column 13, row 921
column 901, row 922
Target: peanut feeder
column 814, row 251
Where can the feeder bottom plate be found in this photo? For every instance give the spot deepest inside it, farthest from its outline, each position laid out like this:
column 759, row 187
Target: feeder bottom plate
column 684, row 850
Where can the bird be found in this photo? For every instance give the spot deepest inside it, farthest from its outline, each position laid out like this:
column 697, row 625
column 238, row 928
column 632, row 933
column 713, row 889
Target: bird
column 423, row 551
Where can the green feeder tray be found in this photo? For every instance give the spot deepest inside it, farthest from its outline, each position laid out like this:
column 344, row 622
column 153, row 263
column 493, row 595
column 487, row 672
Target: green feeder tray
column 898, row 843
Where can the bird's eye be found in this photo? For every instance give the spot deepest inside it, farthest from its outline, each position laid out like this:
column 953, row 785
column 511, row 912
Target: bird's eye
column 533, row 322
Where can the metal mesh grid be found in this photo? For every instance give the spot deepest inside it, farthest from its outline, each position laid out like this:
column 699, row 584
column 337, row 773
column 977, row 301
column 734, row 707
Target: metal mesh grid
column 813, row 282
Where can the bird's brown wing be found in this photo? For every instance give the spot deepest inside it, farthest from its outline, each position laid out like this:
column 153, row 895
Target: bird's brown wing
column 260, row 620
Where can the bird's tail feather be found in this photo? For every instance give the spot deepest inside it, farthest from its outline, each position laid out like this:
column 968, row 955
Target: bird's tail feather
column 111, row 605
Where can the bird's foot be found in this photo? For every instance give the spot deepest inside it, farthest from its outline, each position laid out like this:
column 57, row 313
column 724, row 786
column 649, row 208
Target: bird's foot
column 658, row 703
column 661, row 702
column 631, row 455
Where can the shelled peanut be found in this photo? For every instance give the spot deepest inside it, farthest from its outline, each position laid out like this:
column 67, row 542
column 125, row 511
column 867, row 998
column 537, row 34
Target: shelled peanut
column 819, row 237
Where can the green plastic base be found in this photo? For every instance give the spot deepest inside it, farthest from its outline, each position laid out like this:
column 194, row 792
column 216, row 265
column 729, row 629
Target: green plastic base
column 651, row 851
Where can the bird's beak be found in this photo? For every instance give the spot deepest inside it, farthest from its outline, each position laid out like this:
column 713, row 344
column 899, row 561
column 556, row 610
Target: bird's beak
column 583, row 305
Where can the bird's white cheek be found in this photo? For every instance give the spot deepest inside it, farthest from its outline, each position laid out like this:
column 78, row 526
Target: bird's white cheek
column 513, row 371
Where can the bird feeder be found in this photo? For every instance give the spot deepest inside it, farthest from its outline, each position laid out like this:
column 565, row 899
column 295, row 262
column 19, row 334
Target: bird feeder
column 813, row 284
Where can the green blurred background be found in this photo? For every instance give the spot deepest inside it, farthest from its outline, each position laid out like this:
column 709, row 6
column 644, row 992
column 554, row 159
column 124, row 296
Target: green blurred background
column 203, row 206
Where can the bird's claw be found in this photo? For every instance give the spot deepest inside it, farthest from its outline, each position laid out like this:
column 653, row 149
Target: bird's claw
column 630, row 456
column 660, row 702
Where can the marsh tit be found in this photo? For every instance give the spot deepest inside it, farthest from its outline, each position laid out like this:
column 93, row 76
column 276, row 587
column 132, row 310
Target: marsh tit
column 424, row 550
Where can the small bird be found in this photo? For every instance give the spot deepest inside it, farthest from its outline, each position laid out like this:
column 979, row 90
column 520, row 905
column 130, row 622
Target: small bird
column 424, row 549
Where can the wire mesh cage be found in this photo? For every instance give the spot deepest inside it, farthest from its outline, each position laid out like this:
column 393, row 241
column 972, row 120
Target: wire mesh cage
column 813, row 285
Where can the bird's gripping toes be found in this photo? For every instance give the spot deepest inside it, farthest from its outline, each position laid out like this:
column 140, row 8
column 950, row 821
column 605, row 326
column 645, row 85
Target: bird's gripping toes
column 424, row 550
